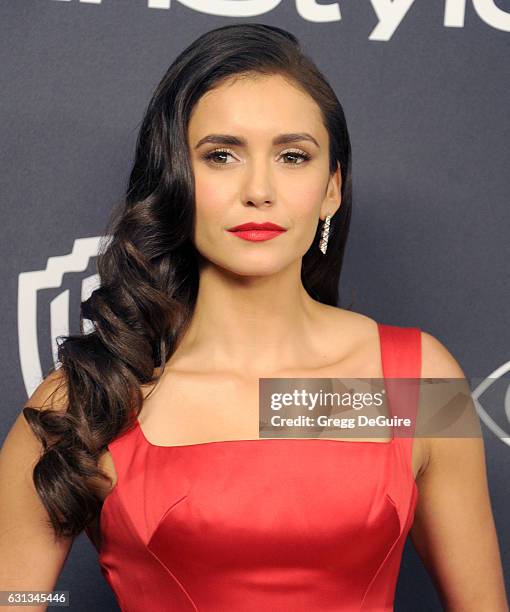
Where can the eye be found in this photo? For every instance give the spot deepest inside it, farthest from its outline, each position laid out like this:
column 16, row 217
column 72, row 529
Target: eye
column 290, row 153
column 213, row 154
column 297, row 153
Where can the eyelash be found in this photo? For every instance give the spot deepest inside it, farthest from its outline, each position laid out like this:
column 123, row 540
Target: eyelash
column 304, row 156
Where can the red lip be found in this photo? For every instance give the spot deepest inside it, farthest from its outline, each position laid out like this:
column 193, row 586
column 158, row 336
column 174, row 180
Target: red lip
column 257, row 232
column 257, row 226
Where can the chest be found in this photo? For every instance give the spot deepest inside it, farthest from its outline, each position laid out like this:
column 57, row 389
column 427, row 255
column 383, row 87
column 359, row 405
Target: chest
column 193, row 408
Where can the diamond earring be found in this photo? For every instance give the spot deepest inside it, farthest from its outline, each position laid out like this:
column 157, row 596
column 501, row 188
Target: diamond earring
column 323, row 244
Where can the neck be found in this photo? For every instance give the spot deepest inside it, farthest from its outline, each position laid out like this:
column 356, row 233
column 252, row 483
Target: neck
column 252, row 324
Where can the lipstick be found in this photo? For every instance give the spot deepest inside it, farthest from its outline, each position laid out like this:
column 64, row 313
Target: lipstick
column 256, row 232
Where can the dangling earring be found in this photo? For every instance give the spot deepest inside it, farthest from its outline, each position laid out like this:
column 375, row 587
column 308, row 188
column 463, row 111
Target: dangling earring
column 323, row 244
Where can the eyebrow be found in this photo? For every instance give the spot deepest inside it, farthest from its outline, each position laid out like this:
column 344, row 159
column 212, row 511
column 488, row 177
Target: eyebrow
column 227, row 139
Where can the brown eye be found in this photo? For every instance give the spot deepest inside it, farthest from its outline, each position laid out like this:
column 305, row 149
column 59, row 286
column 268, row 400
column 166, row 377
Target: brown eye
column 297, row 154
column 214, row 155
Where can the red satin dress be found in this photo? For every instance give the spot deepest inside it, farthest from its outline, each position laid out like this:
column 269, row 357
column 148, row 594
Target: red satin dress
column 294, row 525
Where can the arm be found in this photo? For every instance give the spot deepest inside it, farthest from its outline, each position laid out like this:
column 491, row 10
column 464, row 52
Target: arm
column 453, row 531
column 30, row 557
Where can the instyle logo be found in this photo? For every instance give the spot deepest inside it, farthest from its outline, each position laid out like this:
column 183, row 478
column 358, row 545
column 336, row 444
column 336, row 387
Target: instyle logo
column 30, row 287
column 390, row 14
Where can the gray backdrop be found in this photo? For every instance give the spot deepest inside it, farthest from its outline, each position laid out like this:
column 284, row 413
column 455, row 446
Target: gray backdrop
column 425, row 87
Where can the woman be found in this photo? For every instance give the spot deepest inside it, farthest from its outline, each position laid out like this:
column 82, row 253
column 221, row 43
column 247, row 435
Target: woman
column 162, row 396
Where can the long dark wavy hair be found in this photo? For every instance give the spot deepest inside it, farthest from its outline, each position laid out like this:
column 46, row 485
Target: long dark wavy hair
column 148, row 265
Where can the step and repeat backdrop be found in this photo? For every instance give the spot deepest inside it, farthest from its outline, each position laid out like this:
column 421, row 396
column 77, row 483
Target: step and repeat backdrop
column 426, row 91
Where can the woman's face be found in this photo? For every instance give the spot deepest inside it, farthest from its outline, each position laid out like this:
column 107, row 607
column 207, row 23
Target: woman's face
column 252, row 178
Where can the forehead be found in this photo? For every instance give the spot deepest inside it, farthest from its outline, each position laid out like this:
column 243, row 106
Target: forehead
column 262, row 103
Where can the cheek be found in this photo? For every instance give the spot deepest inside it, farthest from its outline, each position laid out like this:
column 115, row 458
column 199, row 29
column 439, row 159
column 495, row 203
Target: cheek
column 304, row 191
column 210, row 194
column 305, row 211
column 211, row 205
column 306, row 203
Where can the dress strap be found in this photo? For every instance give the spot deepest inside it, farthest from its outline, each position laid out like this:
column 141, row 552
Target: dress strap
column 401, row 359
column 400, row 351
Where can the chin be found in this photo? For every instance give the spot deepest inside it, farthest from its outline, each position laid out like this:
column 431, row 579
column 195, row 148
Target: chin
column 250, row 270
column 243, row 264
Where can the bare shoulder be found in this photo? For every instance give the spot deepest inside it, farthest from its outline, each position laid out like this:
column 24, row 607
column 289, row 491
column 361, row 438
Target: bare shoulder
column 361, row 334
column 21, row 448
column 437, row 360
column 51, row 393
column 21, row 443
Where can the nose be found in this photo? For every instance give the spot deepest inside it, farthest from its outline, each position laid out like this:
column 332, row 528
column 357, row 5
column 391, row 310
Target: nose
column 258, row 187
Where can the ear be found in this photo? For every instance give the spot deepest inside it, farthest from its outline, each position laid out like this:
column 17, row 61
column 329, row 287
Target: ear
column 333, row 197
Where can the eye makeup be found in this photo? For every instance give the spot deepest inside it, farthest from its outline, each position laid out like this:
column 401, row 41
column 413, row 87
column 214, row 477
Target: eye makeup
column 299, row 153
